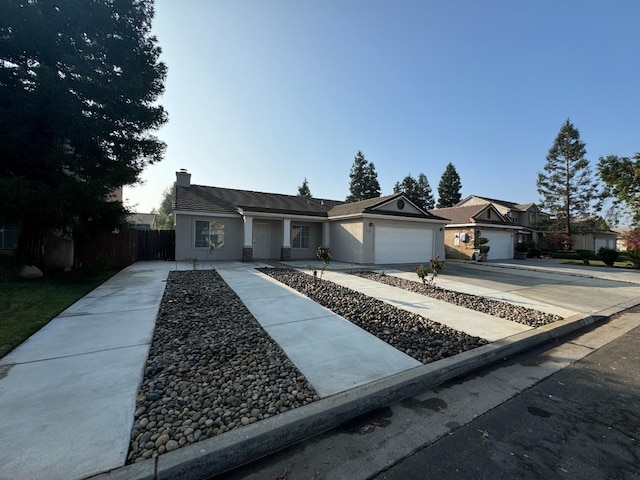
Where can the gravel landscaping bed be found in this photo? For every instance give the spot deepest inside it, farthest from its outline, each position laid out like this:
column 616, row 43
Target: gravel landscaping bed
column 418, row 337
column 508, row 311
column 211, row 368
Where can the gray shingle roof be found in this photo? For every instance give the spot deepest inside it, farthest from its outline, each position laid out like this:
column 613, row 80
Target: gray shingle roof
column 465, row 214
column 199, row 198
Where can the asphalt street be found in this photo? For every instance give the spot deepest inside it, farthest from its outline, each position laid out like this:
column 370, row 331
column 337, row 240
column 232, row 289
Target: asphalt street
column 582, row 422
column 564, row 410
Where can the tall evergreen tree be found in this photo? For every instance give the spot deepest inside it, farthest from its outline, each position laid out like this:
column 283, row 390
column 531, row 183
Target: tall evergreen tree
column 79, row 82
column 418, row 191
column 425, row 197
column 363, row 180
column 303, row 190
column 408, row 187
column 449, row 187
column 566, row 186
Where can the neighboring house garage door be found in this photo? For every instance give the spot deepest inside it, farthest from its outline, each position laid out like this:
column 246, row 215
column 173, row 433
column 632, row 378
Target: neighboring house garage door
column 501, row 244
column 604, row 242
column 403, row 244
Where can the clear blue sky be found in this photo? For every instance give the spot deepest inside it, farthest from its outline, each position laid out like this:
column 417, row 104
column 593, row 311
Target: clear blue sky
column 262, row 94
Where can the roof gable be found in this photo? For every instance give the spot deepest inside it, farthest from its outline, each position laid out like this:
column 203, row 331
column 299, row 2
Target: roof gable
column 464, row 215
column 477, row 200
column 385, row 205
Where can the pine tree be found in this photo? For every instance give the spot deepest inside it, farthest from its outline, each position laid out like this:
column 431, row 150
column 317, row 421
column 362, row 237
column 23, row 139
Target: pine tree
column 449, row 187
column 418, row 191
column 303, row 190
column 566, row 186
column 79, row 84
column 408, row 187
column 363, row 180
column 425, row 197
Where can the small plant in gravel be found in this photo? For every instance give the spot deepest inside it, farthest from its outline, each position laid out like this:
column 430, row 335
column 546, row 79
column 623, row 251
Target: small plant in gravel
column 435, row 267
column 422, row 272
column 324, row 254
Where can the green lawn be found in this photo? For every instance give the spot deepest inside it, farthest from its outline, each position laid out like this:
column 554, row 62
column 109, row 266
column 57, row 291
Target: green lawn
column 600, row 263
column 26, row 306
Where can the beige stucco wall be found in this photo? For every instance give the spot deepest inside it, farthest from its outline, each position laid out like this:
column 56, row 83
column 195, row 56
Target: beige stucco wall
column 393, row 207
column 315, row 241
column 587, row 241
column 233, row 239
column 347, row 241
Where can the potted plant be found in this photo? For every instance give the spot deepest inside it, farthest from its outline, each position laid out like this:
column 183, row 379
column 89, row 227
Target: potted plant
column 481, row 249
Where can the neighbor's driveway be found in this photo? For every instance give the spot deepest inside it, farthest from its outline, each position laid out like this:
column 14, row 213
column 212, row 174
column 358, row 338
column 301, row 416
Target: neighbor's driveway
column 576, row 288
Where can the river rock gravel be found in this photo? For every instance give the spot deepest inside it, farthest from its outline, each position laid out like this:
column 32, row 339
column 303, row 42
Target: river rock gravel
column 211, row 368
column 418, row 337
column 496, row 308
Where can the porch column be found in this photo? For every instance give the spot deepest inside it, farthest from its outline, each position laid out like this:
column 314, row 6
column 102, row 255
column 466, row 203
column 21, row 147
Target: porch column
column 247, row 248
column 326, row 240
column 285, row 250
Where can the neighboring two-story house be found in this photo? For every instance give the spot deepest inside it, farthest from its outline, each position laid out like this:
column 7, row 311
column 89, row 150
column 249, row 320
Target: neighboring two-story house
column 525, row 215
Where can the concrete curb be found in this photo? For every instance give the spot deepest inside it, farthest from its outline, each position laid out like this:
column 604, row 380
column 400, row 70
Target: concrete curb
column 220, row 454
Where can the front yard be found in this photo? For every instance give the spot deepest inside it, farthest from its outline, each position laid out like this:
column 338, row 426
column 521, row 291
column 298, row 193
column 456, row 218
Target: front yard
column 26, row 306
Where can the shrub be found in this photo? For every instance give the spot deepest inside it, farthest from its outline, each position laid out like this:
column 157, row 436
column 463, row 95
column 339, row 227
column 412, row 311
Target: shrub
column 632, row 239
column 608, row 255
column 481, row 244
column 559, row 241
column 634, row 256
column 584, row 255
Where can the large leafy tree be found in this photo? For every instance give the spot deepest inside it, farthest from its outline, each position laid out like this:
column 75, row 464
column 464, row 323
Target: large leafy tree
column 164, row 220
column 363, row 180
column 621, row 177
column 418, row 191
column 566, row 186
column 303, row 190
column 79, row 81
column 449, row 188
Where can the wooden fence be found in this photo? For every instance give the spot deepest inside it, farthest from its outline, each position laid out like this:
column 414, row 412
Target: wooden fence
column 126, row 247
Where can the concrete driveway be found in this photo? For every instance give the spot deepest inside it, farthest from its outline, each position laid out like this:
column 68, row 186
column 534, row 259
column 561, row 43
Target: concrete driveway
column 581, row 289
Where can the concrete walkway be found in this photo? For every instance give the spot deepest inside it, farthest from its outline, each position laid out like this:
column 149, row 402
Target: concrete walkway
column 335, row 355
column 68, row 394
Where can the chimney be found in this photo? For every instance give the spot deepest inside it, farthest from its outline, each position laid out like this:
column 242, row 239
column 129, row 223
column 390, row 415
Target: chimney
column 183, row 178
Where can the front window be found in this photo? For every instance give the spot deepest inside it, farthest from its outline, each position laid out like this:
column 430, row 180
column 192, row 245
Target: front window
column 8, row 235
column 300, row 237
column 209, row 234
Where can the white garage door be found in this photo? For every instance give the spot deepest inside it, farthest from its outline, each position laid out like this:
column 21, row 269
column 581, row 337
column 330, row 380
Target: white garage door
column 604, row 242
column 403, row 244
column 501, row 244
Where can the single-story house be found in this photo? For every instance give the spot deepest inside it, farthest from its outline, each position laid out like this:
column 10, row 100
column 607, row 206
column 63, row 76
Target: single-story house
column 473, row 221
column 591, row 233
column 228, row 224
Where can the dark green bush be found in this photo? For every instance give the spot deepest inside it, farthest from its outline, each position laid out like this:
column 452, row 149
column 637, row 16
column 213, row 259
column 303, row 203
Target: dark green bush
column 585, row 256
column 608, row 255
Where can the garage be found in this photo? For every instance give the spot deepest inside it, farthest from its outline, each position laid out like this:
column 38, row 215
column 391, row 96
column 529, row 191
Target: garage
column 501, row 244
column 403, row 244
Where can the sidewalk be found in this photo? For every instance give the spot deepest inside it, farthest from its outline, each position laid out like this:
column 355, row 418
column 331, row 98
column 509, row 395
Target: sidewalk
column 67, row 395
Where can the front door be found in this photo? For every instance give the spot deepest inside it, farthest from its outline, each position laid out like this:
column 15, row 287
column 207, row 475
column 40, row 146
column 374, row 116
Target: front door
column 261, row 238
